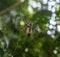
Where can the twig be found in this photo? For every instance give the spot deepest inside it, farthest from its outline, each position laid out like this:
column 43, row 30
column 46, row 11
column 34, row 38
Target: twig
column 10, row 8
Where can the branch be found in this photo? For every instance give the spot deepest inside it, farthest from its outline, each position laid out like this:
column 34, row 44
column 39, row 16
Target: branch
column 10, row 8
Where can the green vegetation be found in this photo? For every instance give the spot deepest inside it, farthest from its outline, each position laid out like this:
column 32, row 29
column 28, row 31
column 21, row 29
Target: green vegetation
column 15, row 19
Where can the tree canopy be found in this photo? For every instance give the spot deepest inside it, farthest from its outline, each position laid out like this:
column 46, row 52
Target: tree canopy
column 29, row 28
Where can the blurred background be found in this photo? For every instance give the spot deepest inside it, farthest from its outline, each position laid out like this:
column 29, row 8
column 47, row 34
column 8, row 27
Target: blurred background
column 29, row 28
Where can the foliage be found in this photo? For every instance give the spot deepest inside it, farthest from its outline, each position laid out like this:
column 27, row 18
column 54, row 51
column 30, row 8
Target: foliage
column 14, row 41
